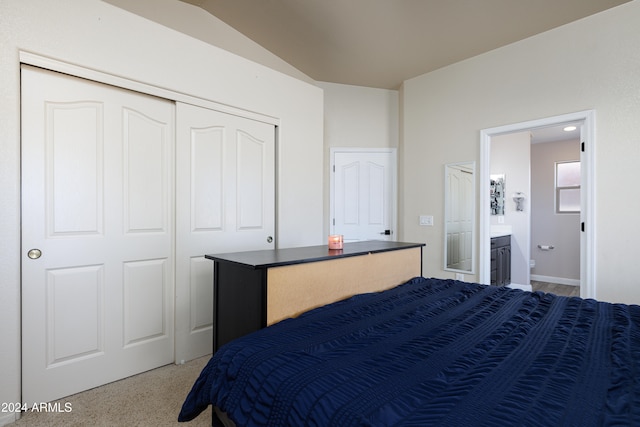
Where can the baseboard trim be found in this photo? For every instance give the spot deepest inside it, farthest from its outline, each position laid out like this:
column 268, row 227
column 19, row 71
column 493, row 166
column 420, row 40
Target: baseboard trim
column 8, row 419
column 521, row 287
column 558, row 280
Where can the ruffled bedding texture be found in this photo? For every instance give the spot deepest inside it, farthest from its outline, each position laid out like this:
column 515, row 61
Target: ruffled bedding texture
column 433, row 352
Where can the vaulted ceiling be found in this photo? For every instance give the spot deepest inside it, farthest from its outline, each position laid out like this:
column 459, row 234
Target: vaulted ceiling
column 380, row 43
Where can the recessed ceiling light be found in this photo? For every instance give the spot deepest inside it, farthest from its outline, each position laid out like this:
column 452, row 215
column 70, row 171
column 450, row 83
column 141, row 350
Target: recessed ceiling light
column 570, row 128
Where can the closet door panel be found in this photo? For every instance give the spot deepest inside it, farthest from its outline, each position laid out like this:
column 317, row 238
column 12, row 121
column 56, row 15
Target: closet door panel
column 98, row 238
column 225, row 189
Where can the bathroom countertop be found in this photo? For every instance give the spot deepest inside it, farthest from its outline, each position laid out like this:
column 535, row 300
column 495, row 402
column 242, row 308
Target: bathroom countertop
column 500, row 230
column 500, row 234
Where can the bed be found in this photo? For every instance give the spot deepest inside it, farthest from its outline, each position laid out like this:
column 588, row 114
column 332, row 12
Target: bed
column 433, row 352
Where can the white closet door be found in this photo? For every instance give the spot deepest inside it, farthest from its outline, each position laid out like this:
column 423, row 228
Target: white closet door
column 97, row 234
column 225, row 195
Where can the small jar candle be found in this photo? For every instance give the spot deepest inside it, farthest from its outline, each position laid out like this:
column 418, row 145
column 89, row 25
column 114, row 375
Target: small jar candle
column 335, row 241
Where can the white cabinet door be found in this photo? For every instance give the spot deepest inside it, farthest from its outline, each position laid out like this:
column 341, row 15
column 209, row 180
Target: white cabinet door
column 97, row 210
column 363, row 195
column 225, row 195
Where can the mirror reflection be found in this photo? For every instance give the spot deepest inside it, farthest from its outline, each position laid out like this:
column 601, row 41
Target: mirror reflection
column 459, row 231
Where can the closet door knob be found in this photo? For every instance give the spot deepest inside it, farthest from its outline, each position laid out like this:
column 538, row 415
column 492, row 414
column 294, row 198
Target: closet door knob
column 34, row 253
column 269, row 239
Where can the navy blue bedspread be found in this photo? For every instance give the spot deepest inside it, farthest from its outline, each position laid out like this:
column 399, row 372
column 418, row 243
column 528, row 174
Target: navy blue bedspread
column 433, row 352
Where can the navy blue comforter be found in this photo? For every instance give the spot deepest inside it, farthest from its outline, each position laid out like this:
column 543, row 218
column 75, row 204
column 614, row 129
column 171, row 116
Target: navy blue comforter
column 433, row 352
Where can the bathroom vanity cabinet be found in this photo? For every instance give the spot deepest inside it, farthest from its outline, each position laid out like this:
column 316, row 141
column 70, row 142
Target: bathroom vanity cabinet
column 501, row 260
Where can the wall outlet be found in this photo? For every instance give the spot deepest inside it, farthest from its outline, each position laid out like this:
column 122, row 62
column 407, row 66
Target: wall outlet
column 460, row 276
column 426, row 220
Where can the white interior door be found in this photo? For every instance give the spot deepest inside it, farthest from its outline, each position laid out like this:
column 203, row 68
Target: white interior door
column 97, row 234
column 226, row 203
column 363, row 194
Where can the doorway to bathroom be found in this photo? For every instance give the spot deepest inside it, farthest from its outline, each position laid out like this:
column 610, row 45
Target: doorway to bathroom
column 527, row 249
column 554, row 260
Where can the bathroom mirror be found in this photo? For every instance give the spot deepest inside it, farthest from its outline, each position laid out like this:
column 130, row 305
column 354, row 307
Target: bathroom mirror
column 497, row 194
column 459, row 217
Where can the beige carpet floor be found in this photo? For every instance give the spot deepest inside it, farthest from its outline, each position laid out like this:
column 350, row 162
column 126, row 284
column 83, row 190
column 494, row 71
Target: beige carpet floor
column 152, row 398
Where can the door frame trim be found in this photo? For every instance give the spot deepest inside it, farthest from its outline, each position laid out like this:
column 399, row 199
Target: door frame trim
column 394, row 181
column 588, row 200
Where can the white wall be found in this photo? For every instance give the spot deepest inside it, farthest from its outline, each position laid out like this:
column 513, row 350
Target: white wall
column 589, row 64
column 356, row 116
column 102, row 37
column 510, row 155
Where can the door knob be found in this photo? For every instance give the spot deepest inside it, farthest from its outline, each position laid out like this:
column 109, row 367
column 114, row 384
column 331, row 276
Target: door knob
column 34, row 253
column 269, row 239
column 386, row 232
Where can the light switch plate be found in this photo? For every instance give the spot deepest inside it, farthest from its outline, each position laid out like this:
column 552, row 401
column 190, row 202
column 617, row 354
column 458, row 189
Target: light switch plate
column 426, row 220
